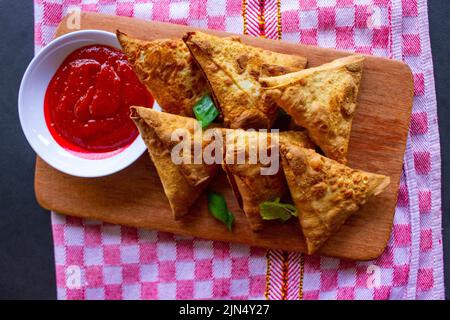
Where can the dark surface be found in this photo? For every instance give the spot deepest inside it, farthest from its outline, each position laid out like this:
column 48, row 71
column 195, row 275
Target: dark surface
column 26, row 251
column 439, row 17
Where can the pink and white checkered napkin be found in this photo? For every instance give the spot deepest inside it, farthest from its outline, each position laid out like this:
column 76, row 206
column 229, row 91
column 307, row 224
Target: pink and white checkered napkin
column 95, row 260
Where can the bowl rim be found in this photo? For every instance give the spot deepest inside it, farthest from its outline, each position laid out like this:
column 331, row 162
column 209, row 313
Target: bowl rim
column 138, row 143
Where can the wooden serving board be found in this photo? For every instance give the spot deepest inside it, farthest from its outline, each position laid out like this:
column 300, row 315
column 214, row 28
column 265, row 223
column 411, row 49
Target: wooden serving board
column 134, row 196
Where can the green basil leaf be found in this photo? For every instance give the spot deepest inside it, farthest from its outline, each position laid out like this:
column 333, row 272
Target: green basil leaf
column 217, row 206
column 272, row 210
column 205, row 111
column 282, row 113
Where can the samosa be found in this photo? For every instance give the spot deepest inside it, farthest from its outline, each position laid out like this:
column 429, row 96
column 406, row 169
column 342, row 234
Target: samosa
column 232, row 69
column 168, row 71
column 322, row 100
column 183, row 182
column 245, row 168
column 325, row 192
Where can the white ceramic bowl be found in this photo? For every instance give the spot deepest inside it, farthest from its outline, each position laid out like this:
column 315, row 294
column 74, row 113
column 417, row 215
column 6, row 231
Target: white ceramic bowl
column 31, row 110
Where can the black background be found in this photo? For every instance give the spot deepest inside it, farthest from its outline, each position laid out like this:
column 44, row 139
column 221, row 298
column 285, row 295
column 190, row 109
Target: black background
column 26, row 250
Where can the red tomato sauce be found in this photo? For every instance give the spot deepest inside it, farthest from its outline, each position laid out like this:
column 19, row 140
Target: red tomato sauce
column 87, row 103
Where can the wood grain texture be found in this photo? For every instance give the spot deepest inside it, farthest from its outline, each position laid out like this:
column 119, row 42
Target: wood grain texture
column 134, row 196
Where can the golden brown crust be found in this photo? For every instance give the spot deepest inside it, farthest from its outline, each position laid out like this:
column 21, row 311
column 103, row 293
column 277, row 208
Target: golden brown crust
column 298, row 138
column 168, row 71
column 322, row 100
column 232, row 70
column 250, row 187
column 182, row 183
column 164, row 124
column 324, row 191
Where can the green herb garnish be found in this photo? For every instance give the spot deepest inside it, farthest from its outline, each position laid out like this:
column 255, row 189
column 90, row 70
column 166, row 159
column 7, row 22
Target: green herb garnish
column 205, row 111
column 282, row 113
column 218, row 208
column 271, row 210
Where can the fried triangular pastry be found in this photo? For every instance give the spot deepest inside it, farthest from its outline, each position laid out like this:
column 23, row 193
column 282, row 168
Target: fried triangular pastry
column 250, row 184
column 182, row 182
column 325, row 192
column 232, row 70
column 322, row 100
column 168, row 71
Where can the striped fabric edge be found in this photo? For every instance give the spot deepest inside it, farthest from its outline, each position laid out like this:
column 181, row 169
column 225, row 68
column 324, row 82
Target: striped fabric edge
column 284, row 279
column 262, row 18
column 439, row 291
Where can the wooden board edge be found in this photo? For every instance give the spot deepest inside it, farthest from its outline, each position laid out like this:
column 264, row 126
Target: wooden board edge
column 397, row 187
column 40, row 197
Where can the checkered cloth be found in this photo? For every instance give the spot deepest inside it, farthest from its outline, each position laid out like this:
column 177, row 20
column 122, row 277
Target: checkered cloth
column 95, row 260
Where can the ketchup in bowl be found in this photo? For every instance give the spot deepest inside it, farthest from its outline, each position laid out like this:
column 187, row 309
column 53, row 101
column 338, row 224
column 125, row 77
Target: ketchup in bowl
column 87, row 103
